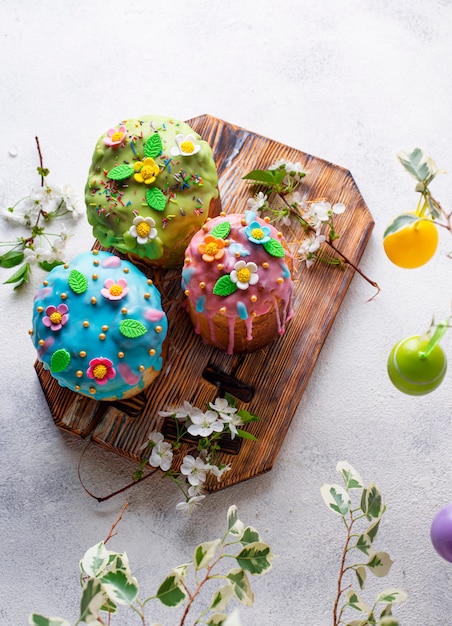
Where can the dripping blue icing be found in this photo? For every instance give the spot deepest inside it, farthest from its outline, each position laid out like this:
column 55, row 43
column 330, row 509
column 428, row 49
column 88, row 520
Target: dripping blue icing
column 200, row 302
column 242, row 310
column 285, row 270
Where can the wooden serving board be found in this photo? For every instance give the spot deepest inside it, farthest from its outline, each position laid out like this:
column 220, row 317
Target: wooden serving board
column 276, row 376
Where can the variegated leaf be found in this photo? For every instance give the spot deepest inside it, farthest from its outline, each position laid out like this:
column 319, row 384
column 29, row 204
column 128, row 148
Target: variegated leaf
column 392, row 595
column 336, row 498
column 255, row 558
column 241, row 586
column 380, row 564
column 355, row 602
column 361, row 574
column 95, row 560
column 350, row 476
column 39, row 620
column 120, row 586
column 222, row 597
column 204, row 553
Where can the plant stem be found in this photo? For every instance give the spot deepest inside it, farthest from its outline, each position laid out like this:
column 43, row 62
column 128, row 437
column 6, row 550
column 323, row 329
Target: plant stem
column 40, row 160
column 193, row 595
column 340, row 590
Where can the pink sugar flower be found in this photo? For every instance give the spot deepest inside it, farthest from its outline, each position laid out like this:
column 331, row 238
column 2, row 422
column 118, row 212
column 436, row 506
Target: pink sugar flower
column 116, row 137
column 101, row 370
column 115, row 290
column 56, row 317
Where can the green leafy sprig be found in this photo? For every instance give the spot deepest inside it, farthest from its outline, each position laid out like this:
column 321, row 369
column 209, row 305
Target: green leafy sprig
column 361, row 509
column 283, row 180
column 108, row 584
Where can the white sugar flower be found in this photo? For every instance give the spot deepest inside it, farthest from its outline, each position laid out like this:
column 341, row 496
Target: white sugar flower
column 143, row 229
column 194, row 469
column 161, row 455
column 244, row 274
column 185, row 146
column 204, row 424
column 258, row 202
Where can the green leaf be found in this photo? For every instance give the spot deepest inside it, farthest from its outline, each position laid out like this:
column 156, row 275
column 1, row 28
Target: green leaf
column 401, row 221
column 275, row 248
column 247, row 417
column 21, row 276
column 355, row 602
column 171, row 593
column 361, row 575
column 235, row 526
column 45, row 265
column 204, row 553
column 372, row 501
column 221, row 231
column 261, row 176
column 11, row 258
column 255, row 558
column 364, row 544
column 388, row 621
column 39, row 620
column 244, row 434
column 91, row 600
column 217, row 619
column 350, row 476
column 78, row 283
column 224, row 286
column 222, row 597
column 121, row 172
column 336, row 498
column 380, row 564
column 373, row 529
column 153, row 146
column 241, row 586
column 59, row 360
column 156, row 199
column 418, row 164
column 392, row 595
column 250, row 535
column 121, row 587
column 95, row 560
column 132, row 328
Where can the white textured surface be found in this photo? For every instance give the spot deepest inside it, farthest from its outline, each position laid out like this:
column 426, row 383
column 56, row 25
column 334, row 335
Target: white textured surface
column 351, row 82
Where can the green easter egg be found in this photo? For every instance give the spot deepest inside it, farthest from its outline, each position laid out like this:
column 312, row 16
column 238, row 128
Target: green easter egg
column 411, row 373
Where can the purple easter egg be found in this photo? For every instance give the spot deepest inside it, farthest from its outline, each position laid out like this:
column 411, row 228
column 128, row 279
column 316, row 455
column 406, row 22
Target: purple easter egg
column 441, row 533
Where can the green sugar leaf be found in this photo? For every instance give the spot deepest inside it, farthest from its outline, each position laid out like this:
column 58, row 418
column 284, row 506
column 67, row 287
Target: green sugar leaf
column 77, row 282
column 156, row 199
column 224, row 286
column 120, row 172
column 132, row 328
column 275, row 248
column 221, row 231
column 153, row 146
column 60, row 360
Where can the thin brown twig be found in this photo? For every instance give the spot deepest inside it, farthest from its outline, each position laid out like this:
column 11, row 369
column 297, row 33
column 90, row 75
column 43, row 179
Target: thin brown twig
column 112, row 532
column 41, row 162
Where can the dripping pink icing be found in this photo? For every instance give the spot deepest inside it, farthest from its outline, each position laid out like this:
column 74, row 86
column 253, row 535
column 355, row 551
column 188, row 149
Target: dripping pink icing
column 127, row 374
column 201, row 277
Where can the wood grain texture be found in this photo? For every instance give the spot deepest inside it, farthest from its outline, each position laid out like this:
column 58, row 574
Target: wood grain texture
column 280, row 372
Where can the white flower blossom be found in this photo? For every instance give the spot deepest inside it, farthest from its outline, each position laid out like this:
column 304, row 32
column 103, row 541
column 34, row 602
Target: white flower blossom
column 219, row 471
column 309, row 247
column 194, row 469
column 189, row 505
column 258, row 202
column 204, row 424
column 161, row 455
column 222, row 407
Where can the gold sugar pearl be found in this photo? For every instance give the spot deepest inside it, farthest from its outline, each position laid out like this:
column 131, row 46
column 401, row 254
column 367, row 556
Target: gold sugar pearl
column 141, row 368
column 120, row 355
column 237, row 255
column 95, row 276
column 253, row 298
column 280, row 234
column 45, row 283
column 124, row 310
column 41, row 342
column 30, row 332
column 126, row 270
column 243, row 221
column 280, row 280
column 79, row 373
column 86, row 324
column 220, row 266
column 223, row 309
column 253, row 314
column 158, row 329
column 82, row 354
column 63, row 296
column 202, row 284
column 102, row 336
column 265, row 265
column 227, row 243
column 150, row 281
column 92, row 390
column 96, row 262
column 66, row 265
column 152, row 352
column 187, row 260
column 105, row 328
column 93, row 300
column 40, row 309
column 147, row 296
column 77, row 387
column 267, row 219
column 222, row 213
column 95, row 252
column 187, row 292
column 205, row 228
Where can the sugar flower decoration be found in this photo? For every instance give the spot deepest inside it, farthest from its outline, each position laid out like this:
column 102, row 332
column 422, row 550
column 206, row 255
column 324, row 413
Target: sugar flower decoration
column 146, row 171
column 244, row 274
column 116, row 137
column 56, row 317
column 185, row 146
column 143, row 229
column 113, row 290
column 101, row 370
column 212, row 249
column 257, row 233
